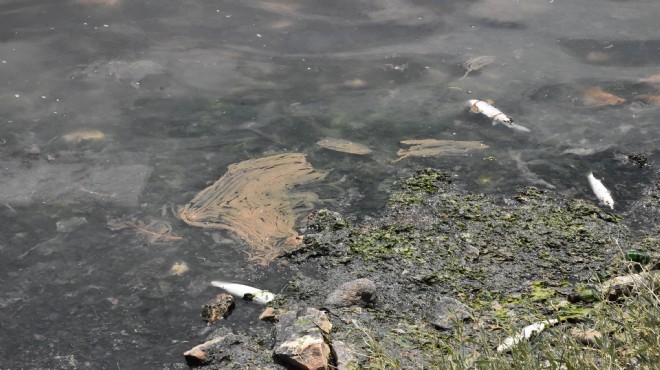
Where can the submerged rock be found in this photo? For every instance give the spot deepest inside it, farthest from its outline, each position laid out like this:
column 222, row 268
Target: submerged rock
column 360, row 292
column 68, row 225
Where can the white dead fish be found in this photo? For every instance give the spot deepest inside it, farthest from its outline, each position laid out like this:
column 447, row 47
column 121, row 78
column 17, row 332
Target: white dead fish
column 485, row 108
column 527, row 332
column 601, row 192
column 245, row 292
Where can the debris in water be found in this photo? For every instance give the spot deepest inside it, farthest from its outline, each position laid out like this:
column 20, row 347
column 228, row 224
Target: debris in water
column 156, row 230
column 83, row 135
column 433, row 147
column 597, row 97
column 252, row 200
column 179, row 268
column 477, row 63
column 485, row 108
column 246, row 292
column 525, row 334
column 343, row 146
column 600, row 191
column 650, row 99
column 527, row 173
column 655, row 79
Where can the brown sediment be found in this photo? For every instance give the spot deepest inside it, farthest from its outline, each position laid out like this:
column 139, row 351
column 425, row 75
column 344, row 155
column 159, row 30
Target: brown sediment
column 597, row 97
column 597, row 56
column 343, row 146
column 650, row 99
column 252, row 200
column 433, row 147
column 654, row 79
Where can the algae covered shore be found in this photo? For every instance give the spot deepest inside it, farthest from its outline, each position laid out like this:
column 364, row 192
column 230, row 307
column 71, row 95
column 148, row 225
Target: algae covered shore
column 509, row 262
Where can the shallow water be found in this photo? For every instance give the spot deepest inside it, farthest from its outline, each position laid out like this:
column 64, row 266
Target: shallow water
column 180, row 89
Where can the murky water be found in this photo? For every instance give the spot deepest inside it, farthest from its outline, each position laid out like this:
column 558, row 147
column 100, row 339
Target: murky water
column 122, row 110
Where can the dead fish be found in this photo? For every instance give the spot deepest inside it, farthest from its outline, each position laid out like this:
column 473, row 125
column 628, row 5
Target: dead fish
column 525, row 334
column 600, row 191
column 83, row 135
column 246, row 292
column 485, row 108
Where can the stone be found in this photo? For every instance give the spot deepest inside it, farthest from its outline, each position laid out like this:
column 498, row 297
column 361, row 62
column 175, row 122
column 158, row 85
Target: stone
column 301, row 340
column 344, row 356
column 218, row 308
column 225, row 349
column 447, row 311
column 270, row 315
column 360, row 292
column 197, row 355
column 586, row 336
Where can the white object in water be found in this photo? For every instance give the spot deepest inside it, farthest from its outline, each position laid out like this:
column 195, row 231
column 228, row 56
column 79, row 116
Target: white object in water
column 246, row 292
column 600, row 191
column 527, row 332
column 485, row 108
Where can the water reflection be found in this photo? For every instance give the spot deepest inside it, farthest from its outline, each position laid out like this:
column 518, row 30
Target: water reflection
column 117, row 109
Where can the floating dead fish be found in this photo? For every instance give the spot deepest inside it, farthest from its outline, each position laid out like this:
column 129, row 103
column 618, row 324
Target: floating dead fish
column 525, row 334
column 433, row 147
column 485, row 108
column 246, row 292
column 600, row 191
column 597, row 97
column 344, row 146
column 477, row 63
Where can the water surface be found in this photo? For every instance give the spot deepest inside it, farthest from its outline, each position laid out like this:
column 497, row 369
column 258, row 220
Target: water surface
column 180, row 89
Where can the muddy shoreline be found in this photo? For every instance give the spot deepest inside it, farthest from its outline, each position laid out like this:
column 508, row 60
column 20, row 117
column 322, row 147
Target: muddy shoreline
column 512, row 259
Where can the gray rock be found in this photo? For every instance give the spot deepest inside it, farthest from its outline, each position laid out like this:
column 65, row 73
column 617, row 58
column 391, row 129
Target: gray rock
column 300, row 340
column 343, row 355
column 218, row 308
column 447, row 311
column 360, row 292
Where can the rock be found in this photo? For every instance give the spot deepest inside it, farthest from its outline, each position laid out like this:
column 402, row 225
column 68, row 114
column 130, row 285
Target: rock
column 300, row 340
column 270, row 315
column 197, row 355
column 218, row 308
column 586, row 336
column 226, row 349
column 67, row 225
column 447, row 311
column 343, row 356
column 360, row 292
column 627, row 284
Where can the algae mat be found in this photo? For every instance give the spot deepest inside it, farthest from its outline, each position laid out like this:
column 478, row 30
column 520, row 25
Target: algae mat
column 253, row 200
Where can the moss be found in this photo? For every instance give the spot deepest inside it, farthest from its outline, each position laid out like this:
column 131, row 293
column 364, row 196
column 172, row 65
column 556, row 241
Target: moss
column 540, row 293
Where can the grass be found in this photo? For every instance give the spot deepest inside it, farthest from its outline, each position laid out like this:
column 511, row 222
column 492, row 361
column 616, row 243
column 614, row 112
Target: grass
column 630, row 329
